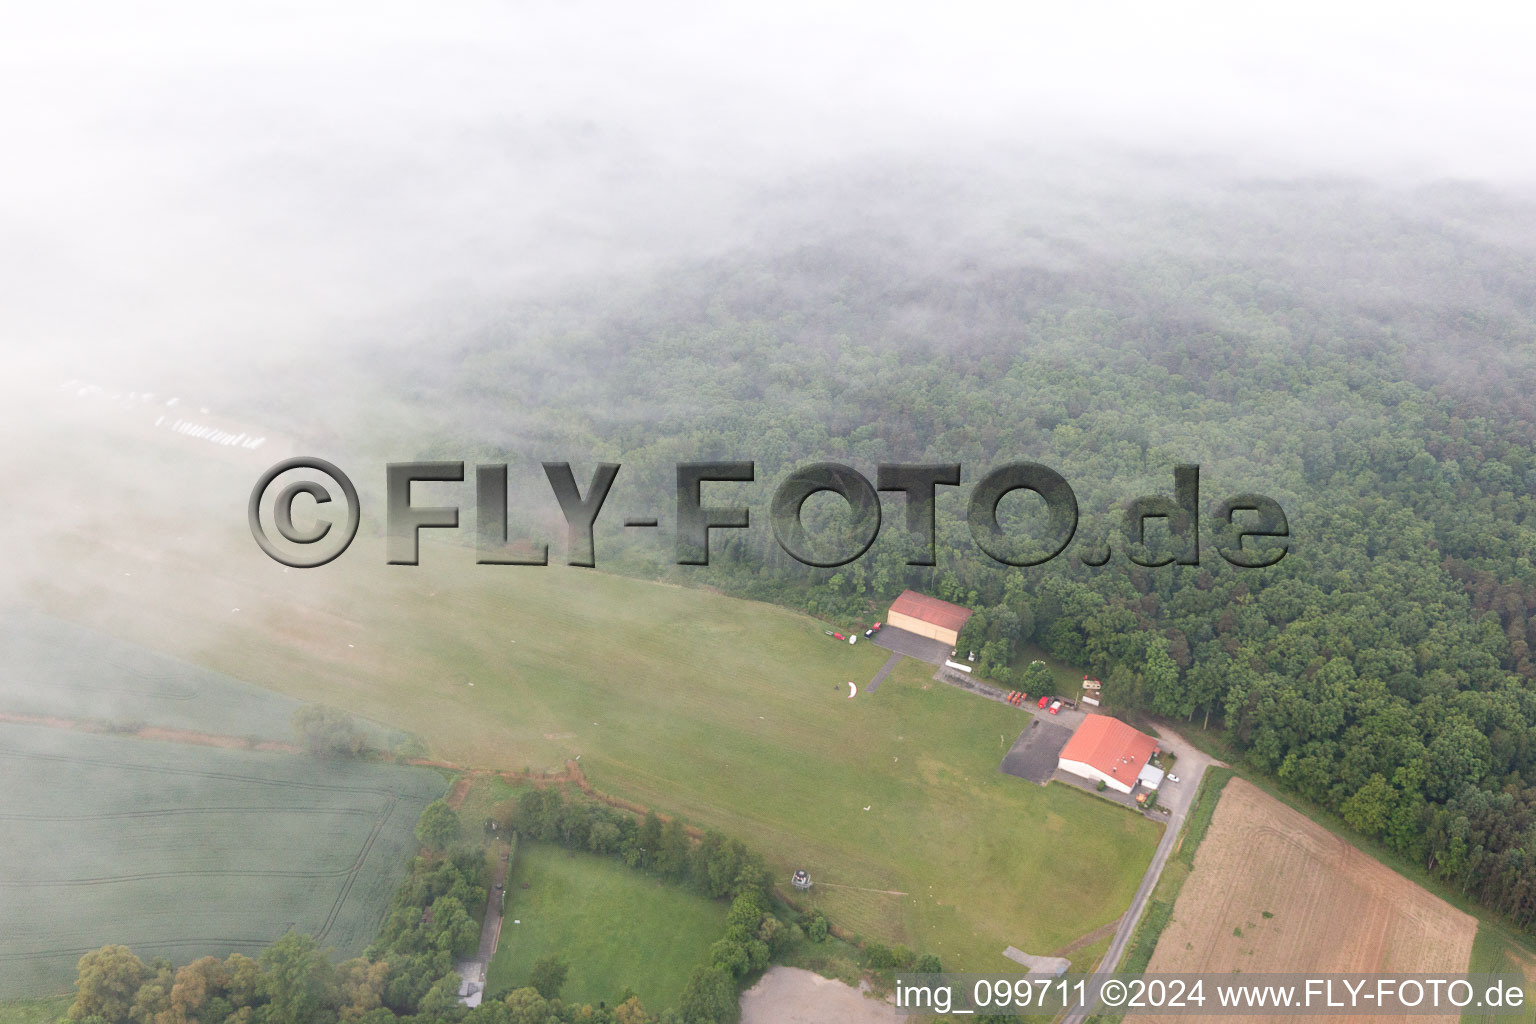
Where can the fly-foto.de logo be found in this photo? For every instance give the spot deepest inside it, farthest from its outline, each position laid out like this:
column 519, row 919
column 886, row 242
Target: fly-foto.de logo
column 1007, row 539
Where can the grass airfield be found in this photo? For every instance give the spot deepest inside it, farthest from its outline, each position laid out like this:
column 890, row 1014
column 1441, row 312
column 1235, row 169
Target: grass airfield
column 732, row 713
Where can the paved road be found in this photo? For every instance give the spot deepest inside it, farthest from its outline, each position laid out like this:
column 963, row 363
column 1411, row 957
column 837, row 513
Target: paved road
column 472, row 972
column 885, row 670
column 1177, row 796
column 490, row 930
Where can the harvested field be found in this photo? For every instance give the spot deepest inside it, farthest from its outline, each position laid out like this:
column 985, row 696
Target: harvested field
column 1274, row 891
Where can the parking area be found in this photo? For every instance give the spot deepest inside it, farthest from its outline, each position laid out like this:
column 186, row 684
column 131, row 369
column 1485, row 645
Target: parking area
column 934, row 652
column 1033, row 755
column 1090, row 786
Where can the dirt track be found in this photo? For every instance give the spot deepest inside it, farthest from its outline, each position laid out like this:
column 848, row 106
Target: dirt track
column 152, row 732
column 1274, row 891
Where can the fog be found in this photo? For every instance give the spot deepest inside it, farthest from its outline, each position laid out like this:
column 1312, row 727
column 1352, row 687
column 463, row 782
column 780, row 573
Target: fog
column 296, row 222
column 1117, row 236
column 189, row 184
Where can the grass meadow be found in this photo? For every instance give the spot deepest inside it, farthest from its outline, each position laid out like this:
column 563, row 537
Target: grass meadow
column 33, row 1011
column 618, row 929
column 1498, row 950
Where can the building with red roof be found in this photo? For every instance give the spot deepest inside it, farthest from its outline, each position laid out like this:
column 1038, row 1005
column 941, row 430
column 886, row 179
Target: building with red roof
column 1107, row 750
column 927, row 616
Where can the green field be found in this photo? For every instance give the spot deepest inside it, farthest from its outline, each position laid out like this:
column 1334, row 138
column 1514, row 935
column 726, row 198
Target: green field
column 181, row 850
column 1497, row 951
column 617, row 928
column 51, row 667
column 733, row 713
column 34, row 1011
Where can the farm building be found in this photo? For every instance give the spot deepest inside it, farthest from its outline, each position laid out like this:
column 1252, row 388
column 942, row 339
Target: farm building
column 1106, row 749
column 927, row 616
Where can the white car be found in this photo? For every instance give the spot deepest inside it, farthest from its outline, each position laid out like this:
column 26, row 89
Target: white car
column 1173, row 778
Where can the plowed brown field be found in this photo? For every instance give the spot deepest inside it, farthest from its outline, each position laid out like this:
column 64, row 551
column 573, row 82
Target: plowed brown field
column 1274, row 891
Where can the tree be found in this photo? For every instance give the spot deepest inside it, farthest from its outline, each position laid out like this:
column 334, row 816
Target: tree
column 244, row 974
column 360, row 987
column 454, row 928
column 709, row 997
column 329, row 732
column 197, row 983
column 631, row 1012
column 527, row 1006
column 672, row 856
column 441, row 997
column 295, row 976
column 107, row 982
column 1370, row 807
column 1036, row 678
column 438, row 827
column 731, row 956
column 548, row 976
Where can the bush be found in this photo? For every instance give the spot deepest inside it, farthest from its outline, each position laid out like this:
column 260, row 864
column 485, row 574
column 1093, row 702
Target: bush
column 438, row 828
column 548, row 976
column 328, row 732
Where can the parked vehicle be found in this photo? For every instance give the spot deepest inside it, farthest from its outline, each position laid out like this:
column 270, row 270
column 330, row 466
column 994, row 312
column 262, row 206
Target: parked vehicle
column 1043, row 702
column 1055, row 707
column 1172, row 778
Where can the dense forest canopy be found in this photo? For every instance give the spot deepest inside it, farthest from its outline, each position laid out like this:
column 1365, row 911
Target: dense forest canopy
column 1360, row 354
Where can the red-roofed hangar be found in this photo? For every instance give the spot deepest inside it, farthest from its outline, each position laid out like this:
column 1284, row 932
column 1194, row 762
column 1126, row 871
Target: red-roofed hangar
column 1106, row 749
column 927, row 616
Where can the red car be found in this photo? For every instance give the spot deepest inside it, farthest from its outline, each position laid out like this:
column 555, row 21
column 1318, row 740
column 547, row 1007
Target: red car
column 1043, row 702
column 1055, row 707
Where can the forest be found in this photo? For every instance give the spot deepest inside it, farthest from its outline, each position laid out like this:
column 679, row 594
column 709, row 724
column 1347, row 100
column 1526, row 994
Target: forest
column 1361, row 354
